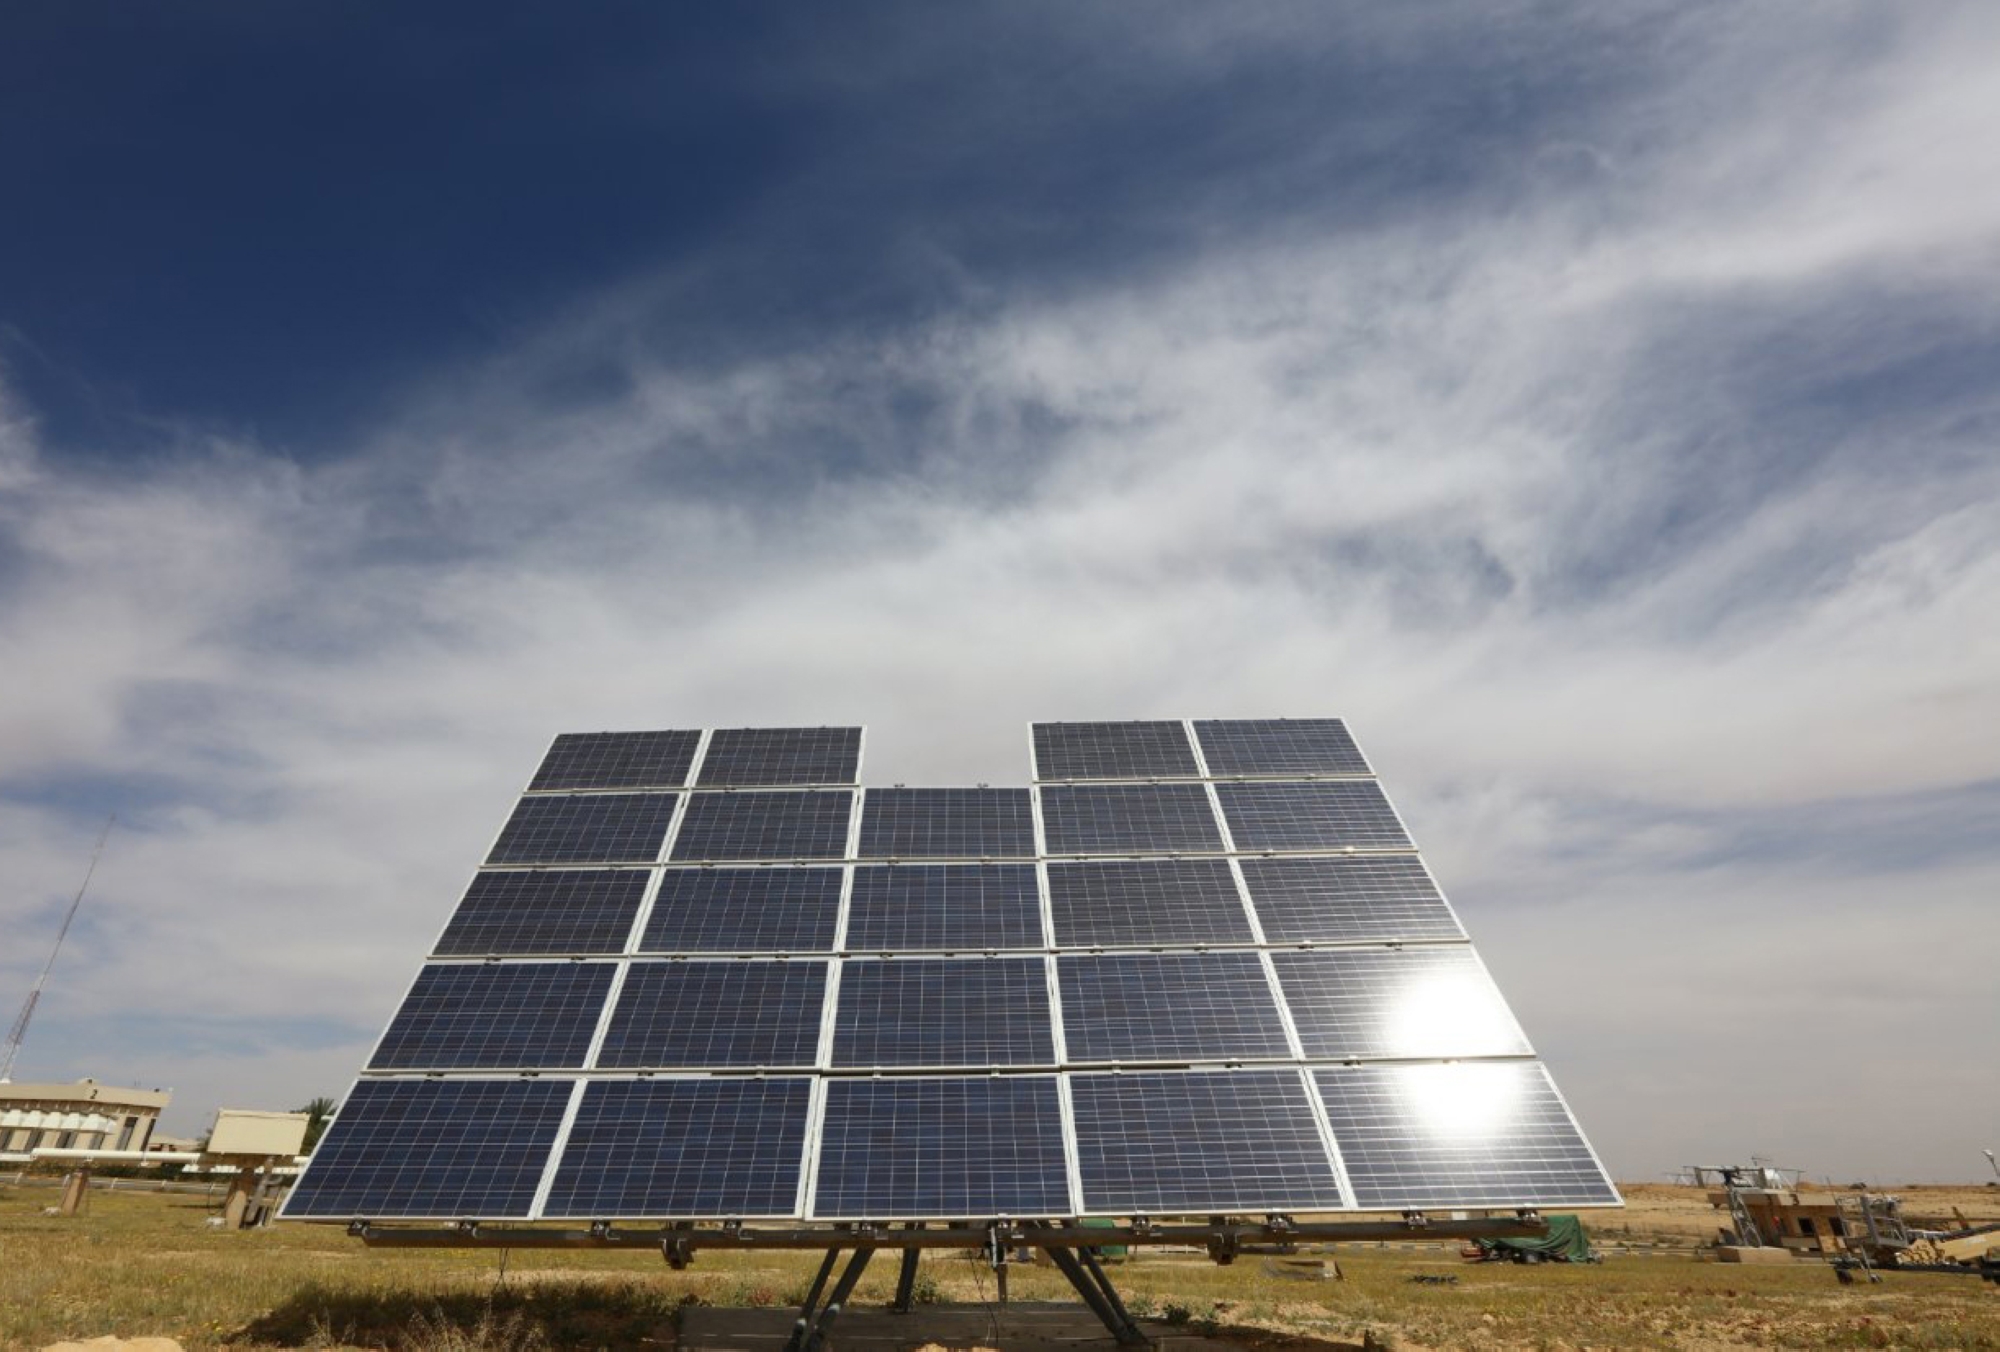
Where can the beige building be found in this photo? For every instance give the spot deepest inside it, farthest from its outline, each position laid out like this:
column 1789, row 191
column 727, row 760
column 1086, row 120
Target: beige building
column 81, row 1116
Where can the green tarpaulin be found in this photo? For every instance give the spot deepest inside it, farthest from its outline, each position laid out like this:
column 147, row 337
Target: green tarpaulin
column 1565, row 1242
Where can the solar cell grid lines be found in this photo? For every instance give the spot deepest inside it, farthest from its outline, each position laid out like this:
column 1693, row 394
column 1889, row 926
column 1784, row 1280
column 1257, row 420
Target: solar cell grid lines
column 1469, row 1134
column 1164, row 1141
column 947, row 824
column 1112, row 819
column 921, row 1148
column 966, row 1012
column 1153, row 1007
column 417, row 1149
column 594, row 828
column 617, row 760
column 1329, row 900
column 1378, row 1003
column 698, row 1013
column 527, row 1015
column 944, row 907
column 1146, row 902
column 829, row 1005
column 1156, row 749
column 744, row 910
column 787, row 824
column 547, row 911
column 1327, row 815
column 1287, row 747
column 750, row 757
column 684, row 1148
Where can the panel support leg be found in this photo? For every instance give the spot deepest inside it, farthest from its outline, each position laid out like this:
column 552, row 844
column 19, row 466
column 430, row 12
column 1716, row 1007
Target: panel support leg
column 803, row 1328
column 906, row 1280
column 1110, row 1311
column 842, row 1289
column 1103, row 1280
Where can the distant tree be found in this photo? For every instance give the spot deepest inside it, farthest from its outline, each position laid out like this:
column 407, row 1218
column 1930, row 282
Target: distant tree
column 318, row 1113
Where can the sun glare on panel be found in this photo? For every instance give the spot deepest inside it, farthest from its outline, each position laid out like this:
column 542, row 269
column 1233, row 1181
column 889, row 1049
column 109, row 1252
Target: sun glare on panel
column 1451, row 1014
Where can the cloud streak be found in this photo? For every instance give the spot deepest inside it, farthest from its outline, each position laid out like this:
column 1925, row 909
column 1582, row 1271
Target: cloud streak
column 1591, row 492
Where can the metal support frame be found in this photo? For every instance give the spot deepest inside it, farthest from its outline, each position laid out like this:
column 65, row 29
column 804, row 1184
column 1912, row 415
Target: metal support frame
column 809, row 1333
column 906, row 1280
column 1084, row 1273
column 686, row 1240
column 1068, row 1245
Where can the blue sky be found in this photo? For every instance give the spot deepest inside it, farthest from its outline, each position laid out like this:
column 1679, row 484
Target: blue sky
column 1596, row 408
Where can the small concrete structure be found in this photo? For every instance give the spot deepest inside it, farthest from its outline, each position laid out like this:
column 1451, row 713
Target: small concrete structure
column 253, row 1142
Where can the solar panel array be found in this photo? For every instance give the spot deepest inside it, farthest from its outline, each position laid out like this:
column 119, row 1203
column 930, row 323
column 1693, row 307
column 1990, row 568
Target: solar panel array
column 1198, row 967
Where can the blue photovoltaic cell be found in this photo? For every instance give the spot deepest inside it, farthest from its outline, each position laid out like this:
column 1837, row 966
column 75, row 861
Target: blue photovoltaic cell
column 561, row 910
column 424, row 1149
column 744, row 910
column 1128, row 819
column 772, row 756
column 943, row 1012
column 955, row 907
column 1327, row 815
column 1464, row 1134
column 1279, row 746
column 1402, row 1004
column 684, row 1149
column 1161, row 1142
column 530, row 1015
column 1307, row 900
column 807, row 824
column 591, row 828
column 921, row 1148
column 947, row 824
column 1135, row 903
column 685, row 1015
column 1156, row 749
column 617, row 760
column 1168, row 1007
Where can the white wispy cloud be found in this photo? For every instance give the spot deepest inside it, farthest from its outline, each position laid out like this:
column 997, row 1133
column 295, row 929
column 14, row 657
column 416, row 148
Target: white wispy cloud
column 1551, row 494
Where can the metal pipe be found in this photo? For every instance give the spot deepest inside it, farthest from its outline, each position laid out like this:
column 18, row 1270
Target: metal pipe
column 1037, row 1235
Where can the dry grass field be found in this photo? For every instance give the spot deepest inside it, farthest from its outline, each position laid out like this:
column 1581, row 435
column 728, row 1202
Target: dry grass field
column 144, row 1263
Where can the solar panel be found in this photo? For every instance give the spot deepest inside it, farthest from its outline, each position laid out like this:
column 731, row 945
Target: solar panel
column 1279, row 746
column 807, row 824
column 618, row 760
column 1397, row 1004
column 1140, row 750
column 674, row 1149
column 1164, row 1142
column 947, row 824
column 429, row 1149
column 688, row 1014
column 528, row 1015
column 768, row 996
column 1138, row 1007
column 1136, row 903
column 920, row 1148
column 747, row 757
column 1357, row 898
column 593, row 828
column 565, row 910
column 744, row 910
column 943, row 1012
column 1470, row 1134
column 1128, row 819
column 905, row 908
column 1332, row 815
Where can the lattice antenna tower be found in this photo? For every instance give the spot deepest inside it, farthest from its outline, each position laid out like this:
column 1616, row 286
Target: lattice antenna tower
column 19, row 1032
